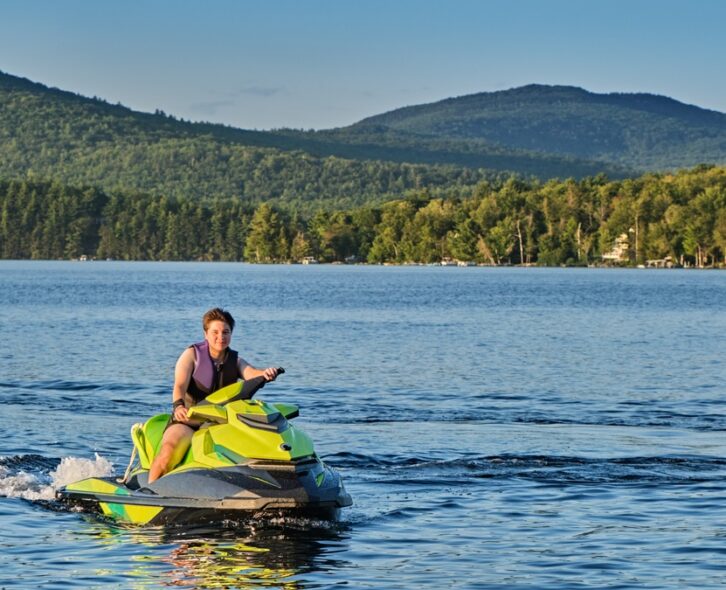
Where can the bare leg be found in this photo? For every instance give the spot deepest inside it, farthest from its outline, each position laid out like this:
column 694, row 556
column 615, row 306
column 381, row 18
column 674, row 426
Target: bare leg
column 174, row 444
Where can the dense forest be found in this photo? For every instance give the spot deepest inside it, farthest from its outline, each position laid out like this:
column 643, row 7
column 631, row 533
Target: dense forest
column 452, row 180
column 680, row 217
column 47, row 133
column 533, row 132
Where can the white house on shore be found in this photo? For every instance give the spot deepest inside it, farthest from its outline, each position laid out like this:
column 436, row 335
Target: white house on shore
column 619, row 252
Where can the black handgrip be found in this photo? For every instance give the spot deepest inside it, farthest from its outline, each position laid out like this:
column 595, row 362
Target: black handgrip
column 252, row 386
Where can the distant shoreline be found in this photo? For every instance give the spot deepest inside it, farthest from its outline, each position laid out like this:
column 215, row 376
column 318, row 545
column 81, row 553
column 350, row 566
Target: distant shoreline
column 366, row 264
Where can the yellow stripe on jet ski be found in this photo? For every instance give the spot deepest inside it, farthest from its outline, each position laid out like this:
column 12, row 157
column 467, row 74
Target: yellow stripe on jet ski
column 97, row 486
column 134, row 514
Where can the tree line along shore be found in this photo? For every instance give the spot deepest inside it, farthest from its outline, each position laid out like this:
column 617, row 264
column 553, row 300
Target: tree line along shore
column 673, row 219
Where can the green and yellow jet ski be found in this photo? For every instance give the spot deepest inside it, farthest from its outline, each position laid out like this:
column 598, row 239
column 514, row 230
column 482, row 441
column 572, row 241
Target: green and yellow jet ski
column 246, row 458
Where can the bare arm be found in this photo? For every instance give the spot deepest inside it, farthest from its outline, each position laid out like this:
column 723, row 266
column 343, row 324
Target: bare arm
column 249, row 372
column 182, row 376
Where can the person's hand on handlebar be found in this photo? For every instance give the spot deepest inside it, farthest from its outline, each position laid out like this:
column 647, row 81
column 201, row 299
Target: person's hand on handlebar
column 270, row 373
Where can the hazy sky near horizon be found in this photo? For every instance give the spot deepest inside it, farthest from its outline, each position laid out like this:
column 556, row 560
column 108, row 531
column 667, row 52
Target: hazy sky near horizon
column 329, row 63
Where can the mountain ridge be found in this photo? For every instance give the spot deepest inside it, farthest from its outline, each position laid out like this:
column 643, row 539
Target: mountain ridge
column 551, row 113
column 534, row 130
column 319, row 142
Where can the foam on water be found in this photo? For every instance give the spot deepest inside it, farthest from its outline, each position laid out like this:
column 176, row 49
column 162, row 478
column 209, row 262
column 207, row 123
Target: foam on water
column 33, row 486
column 23, row 485
column 74, row 468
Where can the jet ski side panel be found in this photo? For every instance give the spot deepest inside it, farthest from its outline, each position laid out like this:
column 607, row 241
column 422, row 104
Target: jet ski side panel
column 91, row 490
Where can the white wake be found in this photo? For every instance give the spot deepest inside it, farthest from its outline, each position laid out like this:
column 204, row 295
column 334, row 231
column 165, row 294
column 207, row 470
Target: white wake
column 34, row 486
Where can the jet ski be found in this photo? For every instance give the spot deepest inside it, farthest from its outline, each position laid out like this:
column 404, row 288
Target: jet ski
column 246, row 458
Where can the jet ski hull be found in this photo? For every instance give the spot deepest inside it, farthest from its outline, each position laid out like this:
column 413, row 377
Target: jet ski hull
column 185, row 501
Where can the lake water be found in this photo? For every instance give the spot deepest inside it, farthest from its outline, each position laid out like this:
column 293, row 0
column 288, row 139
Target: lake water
column 497, row 428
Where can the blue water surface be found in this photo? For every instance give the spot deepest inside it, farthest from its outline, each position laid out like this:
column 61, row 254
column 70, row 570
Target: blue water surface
column 497, row 427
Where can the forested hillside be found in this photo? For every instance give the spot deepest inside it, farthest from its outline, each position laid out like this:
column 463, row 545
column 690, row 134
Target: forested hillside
column 640, row 131
column 52, row 134
column 680, row 216
column 80, row 176
column 384, row 143
column 534, row 131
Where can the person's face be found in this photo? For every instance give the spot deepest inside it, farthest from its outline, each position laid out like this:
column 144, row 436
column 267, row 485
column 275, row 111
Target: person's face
column 218, row 335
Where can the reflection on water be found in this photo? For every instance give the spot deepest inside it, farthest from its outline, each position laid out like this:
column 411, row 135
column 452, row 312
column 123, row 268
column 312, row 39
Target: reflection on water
column 261, row 552
column 201, row 564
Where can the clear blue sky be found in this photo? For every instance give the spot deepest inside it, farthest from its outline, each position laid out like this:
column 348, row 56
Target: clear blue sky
column 327, row 63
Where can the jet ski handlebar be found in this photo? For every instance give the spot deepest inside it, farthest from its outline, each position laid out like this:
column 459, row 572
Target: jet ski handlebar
column 237, row 391
column 252, row 386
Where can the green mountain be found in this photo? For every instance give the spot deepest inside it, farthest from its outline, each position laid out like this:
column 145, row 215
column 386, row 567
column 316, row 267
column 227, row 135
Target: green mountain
column 49, row 133
column 642, row 131
column 536, row 131
column 379, row 142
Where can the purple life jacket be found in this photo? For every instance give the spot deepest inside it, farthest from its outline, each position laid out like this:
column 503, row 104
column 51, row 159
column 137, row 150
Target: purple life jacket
column 209, row 376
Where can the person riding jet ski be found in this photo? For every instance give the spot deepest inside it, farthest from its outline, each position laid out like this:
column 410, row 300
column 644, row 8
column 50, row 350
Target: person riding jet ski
column 224, row 455
column 201, row 369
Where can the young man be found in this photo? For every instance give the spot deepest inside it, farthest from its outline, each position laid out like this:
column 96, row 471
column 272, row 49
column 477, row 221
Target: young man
column 202, row 368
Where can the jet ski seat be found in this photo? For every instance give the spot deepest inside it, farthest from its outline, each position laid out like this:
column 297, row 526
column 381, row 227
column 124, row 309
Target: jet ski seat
column 147, row 438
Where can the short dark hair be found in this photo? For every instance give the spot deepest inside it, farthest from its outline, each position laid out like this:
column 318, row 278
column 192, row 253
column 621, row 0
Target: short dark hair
column 217, row 313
